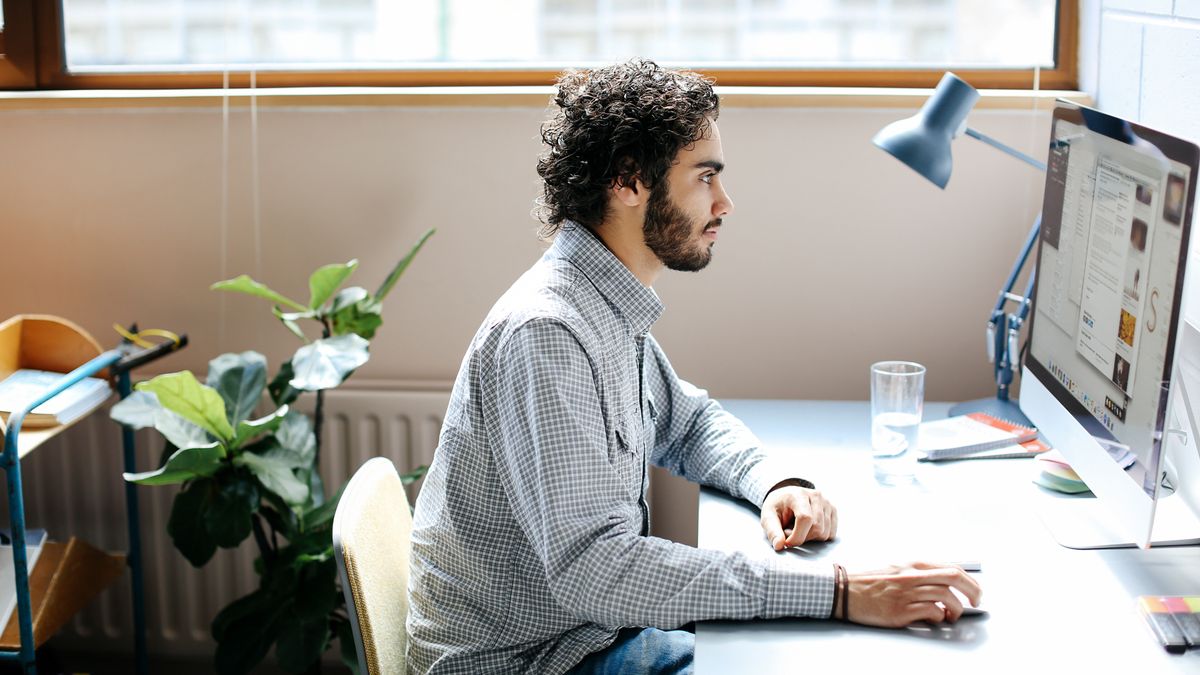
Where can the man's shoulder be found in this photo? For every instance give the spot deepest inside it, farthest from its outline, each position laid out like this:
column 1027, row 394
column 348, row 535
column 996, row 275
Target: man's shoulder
column 553, row 293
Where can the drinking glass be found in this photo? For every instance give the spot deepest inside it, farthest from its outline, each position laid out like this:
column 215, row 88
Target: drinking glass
column 897, row 399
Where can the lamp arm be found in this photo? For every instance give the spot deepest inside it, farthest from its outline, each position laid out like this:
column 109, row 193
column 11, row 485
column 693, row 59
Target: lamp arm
column 1018, row 265
column 1041, row 166
column 1004, row 329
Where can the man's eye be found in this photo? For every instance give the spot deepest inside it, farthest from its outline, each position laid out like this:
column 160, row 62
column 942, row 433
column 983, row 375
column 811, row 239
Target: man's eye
column 708, row 177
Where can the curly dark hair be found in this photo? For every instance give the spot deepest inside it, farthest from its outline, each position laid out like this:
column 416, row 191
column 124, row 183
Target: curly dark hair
column 619, row 124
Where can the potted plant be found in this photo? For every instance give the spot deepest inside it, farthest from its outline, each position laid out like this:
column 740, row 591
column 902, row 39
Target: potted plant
column 243, row 475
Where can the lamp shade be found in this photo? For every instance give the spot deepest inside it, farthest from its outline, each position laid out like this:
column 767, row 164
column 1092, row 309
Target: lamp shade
column 923, row 140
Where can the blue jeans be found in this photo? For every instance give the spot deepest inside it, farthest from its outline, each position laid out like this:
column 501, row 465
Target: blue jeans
column 642, row 650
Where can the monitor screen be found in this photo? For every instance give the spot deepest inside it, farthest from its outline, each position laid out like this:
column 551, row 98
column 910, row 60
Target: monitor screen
column 1110, row 272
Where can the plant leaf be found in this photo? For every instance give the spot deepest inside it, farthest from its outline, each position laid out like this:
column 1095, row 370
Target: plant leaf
column 186, row 524
column 414, row 475
column 181, row 393
column 251, row 428
column 326, row 363
column 289, row 321
column 362, row 318
column 317, row 592
column 275, row 475
column 283, row 393
column 184, row 465
column 322, row 515
column 301, row 643
column 240, row 380
column 346, row 646
column 136, row 410
column 347, row 297
column 297, row 443
column 179, row 431
column 244, row 284
column 394, row 275
column 245, row 631
column 227, row 520
column 326, row 280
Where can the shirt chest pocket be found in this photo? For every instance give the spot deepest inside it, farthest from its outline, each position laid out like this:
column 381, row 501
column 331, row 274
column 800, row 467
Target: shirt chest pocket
column 628, row 452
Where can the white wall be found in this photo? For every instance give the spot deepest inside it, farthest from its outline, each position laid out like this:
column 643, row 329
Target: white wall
column 1148, row 62
column 1143, row 63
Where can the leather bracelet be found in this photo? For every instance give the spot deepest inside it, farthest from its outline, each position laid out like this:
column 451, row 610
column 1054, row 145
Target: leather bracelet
column 837, row 589
column 845, row 594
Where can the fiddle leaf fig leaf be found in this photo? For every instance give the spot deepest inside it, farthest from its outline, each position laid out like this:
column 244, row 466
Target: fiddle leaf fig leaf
column 289, row 321
column 250, row 428
column 244, row 284
column 326, row 363
column 240, row 380
column 362, row 318
column 347, row 297
column 186, row 527
column 230, row 508
column 136, row 410
column 179, row 431
column 276, row 475
column 283, row 393
column 394, row 275
column 297, row 443
column 326, row 280
column 184, row 465
column 181, row 393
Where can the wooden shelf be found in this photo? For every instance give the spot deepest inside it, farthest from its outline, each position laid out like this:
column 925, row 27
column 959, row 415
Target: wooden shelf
column 64, row 580
column 43, row 342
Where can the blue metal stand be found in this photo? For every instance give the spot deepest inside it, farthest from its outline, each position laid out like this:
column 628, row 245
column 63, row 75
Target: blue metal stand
column 16, row 506
column 119, row 362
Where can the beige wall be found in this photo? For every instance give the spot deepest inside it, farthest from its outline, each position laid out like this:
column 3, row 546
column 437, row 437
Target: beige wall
column 837, row 255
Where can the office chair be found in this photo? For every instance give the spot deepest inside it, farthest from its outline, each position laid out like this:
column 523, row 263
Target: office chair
column 372, row 528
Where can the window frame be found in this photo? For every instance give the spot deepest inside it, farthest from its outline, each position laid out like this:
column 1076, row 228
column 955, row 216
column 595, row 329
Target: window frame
column 18, row 59
column 51, row 69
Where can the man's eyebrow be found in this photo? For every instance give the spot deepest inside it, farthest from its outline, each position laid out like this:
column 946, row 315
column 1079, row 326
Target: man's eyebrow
column 711, row 164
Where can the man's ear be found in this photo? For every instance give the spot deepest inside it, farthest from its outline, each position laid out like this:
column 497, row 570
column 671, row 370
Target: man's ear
column 632, row 193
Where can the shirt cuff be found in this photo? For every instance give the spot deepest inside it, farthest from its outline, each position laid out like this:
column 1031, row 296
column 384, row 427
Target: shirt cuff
column 798, row 589
column 764, row 476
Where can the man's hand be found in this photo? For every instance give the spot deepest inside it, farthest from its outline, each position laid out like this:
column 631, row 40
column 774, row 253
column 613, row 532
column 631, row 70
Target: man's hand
column 792, row 515
column 903, row 594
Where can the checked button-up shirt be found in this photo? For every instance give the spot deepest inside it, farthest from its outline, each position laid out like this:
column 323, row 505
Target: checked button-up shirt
column 529, row 544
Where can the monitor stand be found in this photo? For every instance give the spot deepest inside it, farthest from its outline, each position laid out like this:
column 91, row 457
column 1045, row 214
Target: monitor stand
column 1083, row 523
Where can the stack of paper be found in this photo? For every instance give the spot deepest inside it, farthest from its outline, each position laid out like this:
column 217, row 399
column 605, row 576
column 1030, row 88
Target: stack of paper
column 8, row 588
column 25, row 386
column 976, row 436
column 1055, row 474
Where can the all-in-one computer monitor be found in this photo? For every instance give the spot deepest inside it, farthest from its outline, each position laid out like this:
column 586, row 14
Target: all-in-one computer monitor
column 1100, row 373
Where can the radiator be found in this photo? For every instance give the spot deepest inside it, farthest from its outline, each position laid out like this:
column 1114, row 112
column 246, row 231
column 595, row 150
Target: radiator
column 73, row 486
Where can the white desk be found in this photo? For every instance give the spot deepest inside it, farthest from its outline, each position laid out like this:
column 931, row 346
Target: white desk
column 1051, row 609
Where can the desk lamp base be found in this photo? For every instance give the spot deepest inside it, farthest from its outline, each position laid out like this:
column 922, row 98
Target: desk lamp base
column 1005, row 410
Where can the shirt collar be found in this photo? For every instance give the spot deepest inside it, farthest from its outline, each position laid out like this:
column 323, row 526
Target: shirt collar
column 639, row 304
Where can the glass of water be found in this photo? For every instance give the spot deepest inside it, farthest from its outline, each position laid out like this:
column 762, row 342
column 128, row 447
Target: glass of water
column 897, row 399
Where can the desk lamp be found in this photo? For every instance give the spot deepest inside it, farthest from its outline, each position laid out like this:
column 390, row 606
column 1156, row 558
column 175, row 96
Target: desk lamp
column 923, row 143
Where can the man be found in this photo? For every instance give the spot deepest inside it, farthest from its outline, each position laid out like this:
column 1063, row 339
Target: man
column 530, row 550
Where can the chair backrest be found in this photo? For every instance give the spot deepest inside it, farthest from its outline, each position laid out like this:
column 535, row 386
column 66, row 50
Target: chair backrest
column 372, row 529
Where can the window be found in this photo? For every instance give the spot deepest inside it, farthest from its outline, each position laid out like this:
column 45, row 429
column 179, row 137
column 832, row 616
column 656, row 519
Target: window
column 876, row 42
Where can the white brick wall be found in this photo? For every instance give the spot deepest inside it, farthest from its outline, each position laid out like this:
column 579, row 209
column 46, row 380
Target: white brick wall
column 1148, row 62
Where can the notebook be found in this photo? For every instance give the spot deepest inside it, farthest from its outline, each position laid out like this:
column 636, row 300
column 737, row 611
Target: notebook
column 25, row 386
column 976, row 436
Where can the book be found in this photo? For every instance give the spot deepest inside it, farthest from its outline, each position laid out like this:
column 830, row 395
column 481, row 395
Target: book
column 34, row 539
column 25, row 386
column 976, row 436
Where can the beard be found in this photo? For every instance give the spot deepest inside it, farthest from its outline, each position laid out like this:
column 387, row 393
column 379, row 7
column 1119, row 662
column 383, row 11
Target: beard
column 672, row 236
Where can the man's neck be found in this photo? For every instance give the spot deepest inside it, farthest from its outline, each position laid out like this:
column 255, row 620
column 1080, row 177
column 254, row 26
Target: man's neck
column 628, row 244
